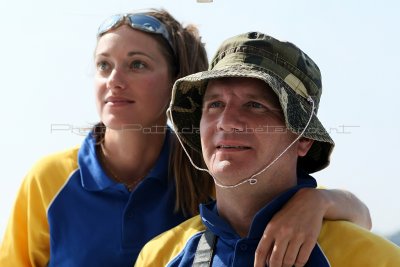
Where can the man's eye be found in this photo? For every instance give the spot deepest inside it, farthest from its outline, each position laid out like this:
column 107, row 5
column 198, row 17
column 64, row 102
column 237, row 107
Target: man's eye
column 137, row 64
column 215, row 104
column 256, row 105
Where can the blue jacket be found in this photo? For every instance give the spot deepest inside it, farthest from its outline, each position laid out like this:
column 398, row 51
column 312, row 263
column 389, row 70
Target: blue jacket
column 69, row 213
column 340, row 243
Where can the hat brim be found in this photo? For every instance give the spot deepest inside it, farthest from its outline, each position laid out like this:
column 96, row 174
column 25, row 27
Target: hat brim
column 186, row 108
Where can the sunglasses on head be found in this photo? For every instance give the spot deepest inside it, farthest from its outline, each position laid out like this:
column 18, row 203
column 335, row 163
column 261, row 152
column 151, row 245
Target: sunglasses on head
column 138, row 21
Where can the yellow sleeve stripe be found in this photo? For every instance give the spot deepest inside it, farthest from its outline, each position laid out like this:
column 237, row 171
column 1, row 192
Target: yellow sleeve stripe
column 165, row 247
column 346, row 244
column 27, row 240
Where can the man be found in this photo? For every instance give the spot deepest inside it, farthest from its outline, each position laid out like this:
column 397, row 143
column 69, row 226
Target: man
column 260, row 138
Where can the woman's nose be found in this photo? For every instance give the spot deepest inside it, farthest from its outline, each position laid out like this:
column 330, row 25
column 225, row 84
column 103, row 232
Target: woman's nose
column 116, row 80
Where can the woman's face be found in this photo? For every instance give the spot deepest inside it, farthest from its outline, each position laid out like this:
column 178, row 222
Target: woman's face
column 132, row 80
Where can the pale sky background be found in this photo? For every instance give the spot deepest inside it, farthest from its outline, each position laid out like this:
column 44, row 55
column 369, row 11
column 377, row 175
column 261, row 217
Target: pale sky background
column 47, row 86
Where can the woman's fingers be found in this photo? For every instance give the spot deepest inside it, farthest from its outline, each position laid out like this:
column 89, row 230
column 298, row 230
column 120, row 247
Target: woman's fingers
column 263, row 251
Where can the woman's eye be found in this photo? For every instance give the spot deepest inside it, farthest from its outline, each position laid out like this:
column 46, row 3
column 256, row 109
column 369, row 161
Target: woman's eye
column 137, row 64
column 103, row 66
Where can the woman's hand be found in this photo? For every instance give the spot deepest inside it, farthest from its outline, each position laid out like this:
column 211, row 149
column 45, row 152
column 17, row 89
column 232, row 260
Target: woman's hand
column 292, row 233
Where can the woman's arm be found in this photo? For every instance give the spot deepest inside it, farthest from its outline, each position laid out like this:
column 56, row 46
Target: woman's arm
column 26, row 239
column 293, row 232
column 343, row 205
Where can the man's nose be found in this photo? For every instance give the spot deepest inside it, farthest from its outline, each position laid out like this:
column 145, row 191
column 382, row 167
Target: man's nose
column 231, row 120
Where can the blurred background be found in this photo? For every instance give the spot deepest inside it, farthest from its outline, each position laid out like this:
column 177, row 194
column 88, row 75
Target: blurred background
column 48, row 98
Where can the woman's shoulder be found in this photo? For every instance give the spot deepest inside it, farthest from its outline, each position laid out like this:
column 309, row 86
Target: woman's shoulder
column 54, row 167
column 48, row 175
column 62, row 160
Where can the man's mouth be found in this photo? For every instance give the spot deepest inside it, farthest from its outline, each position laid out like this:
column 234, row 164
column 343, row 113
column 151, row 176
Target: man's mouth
column 232, row 147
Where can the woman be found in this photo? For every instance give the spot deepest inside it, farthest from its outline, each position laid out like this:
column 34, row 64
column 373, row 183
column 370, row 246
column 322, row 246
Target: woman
column 97, row 205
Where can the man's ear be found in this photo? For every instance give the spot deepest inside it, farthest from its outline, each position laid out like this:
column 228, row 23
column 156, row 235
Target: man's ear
column 304, row 145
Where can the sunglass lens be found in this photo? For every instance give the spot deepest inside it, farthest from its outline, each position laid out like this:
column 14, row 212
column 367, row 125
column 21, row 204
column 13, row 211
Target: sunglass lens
column 109, row 24
column 145, row 22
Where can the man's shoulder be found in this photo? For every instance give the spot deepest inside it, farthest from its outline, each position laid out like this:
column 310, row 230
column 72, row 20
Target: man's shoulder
column 182, row 232
column 346, row 244
column 168, row 245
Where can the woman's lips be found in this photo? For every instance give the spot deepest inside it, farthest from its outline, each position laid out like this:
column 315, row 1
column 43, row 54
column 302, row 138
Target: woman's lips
column 118, row 101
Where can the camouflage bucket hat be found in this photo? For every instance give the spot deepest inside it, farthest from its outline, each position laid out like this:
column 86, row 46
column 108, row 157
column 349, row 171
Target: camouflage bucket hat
column 291, row 74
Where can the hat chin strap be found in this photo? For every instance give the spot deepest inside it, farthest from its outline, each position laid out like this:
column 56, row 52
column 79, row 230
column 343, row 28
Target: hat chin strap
column 252, row 180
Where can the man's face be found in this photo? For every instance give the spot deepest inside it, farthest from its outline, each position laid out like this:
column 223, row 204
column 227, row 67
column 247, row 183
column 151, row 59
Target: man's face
column 242, row 129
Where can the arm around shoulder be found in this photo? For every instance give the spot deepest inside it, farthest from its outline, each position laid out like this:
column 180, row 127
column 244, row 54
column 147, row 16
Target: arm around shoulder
column 344, row 205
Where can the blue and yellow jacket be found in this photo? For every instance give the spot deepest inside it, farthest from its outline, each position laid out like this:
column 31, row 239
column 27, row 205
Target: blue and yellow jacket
column 69, row 213
column 340, row 243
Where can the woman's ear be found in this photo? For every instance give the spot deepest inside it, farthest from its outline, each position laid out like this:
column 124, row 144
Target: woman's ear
column 304, row 145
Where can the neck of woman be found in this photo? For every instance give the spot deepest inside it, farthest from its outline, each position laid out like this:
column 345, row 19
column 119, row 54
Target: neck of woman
column 129, row 155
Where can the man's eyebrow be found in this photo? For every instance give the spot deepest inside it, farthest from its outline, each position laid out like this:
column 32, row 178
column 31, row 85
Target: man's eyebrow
column 257, row 96
column 250, row 96
column 210, row 96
